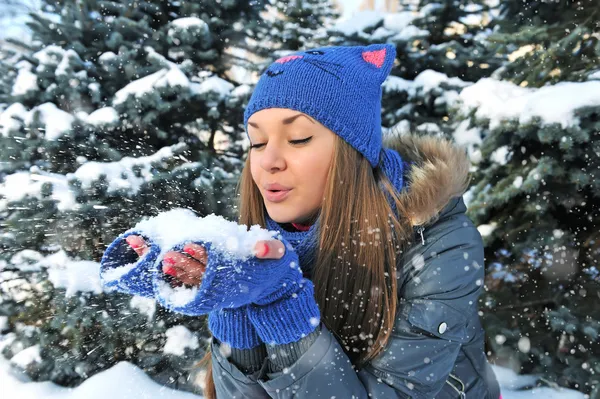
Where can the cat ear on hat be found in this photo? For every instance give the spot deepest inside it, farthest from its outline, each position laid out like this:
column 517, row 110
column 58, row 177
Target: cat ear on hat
column 379, row 58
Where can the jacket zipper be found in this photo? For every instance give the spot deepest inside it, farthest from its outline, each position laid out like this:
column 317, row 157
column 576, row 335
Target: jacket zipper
column 420, row 230
column 461, row 391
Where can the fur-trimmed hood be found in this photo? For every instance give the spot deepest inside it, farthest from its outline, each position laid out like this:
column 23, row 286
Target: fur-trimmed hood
column 439, row 173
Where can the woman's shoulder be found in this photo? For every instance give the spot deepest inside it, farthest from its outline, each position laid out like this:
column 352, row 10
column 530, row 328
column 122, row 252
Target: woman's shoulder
column 444, row 236
column 445, row 251
column 437, row 178
column 450, row 226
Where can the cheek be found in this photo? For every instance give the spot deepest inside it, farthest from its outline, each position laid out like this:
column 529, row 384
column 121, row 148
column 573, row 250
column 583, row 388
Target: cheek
column 314, row 171
column 254, row 169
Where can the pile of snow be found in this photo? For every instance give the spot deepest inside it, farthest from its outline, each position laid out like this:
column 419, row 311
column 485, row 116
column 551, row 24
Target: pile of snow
column 446, row 92
column 143, row 305
column 122, row 381
column 172, row 77
column 391, row 27
column 178, row 339
column 27, row 260
column 469, row 137
column 358, row 23
column 180, row 225
column 120, row 174
column 189, row 22
column 214, row 85
column 425, row 82
column 27, row 356
column 55, row 58
column 72, row 275
column 25, row 81
column 77, row 276
column 106, row 116
column 54, row 121
column 166, row 77
column 500, row 100
column 19, row 185
column 513, row 387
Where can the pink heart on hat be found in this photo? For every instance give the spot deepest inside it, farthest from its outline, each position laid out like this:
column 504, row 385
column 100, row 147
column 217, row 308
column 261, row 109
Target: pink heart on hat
column 375, row 57
column 287, row 58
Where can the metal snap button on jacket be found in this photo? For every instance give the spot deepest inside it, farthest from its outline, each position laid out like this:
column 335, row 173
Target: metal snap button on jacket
column 442, row 328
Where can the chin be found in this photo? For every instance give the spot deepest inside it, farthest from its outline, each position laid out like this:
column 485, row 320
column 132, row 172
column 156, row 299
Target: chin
column 282, row 213
column 286, row 216
column 280, row 216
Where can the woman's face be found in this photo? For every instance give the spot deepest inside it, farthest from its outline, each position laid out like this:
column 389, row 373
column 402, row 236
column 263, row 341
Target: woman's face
column 290, row 158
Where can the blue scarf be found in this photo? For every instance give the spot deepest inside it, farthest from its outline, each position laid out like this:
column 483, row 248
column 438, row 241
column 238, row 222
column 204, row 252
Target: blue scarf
column 305, row 242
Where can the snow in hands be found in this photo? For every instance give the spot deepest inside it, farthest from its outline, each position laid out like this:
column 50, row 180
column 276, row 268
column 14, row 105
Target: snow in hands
column 180, row 225
column 228, row 243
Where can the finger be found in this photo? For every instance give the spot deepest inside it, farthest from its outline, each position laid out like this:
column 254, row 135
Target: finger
column 181, row 275
column 138, row 244
column 196, row 251
column 183, row 267
column 269, row 249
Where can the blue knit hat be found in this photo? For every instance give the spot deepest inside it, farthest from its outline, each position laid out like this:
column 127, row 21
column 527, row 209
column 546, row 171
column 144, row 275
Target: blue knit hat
column 340, row 86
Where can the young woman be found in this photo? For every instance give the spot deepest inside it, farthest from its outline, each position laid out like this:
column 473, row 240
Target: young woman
column 386, row 304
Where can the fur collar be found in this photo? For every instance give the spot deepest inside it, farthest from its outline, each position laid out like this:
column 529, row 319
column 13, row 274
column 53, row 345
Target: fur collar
column 440, row 172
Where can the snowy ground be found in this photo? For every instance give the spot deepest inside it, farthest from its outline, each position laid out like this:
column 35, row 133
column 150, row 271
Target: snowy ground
column 126, row 381
column 122, row 381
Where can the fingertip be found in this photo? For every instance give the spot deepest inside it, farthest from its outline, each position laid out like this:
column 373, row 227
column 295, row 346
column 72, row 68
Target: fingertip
column 190, row 251
column 261, row 249
column 133, row 241
column 272, row 249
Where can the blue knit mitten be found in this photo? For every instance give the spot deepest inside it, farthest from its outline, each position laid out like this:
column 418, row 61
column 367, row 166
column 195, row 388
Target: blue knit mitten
column 233, row 327
column 123, row 270
column 282, row 306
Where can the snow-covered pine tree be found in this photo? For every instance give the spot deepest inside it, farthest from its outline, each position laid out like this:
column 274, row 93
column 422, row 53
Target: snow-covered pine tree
column 302, row 24
column 536, row 191
column 285, row 27
column 456, row 42
column 119, row 110
column 549, row 41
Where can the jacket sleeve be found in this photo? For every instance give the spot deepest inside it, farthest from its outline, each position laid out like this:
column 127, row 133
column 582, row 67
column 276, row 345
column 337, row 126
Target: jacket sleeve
column 441, row 286
column 230, row 381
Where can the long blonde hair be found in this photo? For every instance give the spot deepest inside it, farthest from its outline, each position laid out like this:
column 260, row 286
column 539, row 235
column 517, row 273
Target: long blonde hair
column 360, row 238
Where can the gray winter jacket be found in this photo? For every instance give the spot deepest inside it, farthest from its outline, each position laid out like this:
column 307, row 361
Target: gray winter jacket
column 436, row 348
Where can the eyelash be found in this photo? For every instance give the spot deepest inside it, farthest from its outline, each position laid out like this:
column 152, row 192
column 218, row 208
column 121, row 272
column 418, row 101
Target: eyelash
column 303, row 141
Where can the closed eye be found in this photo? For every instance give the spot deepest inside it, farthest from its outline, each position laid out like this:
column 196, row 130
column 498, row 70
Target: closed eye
column 303, row 141
column 294, row 142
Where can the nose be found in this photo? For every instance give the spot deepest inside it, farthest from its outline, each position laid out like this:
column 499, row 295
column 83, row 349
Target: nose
column 272, row 159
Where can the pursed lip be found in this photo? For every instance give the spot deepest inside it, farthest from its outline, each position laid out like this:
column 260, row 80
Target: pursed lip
column 276, row 187
column 276, row 192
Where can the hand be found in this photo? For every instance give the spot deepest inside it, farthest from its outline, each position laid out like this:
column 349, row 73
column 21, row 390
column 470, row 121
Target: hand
column 189, row 267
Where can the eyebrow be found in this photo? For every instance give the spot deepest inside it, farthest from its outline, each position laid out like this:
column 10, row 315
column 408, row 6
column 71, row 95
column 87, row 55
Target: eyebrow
column 285, row 121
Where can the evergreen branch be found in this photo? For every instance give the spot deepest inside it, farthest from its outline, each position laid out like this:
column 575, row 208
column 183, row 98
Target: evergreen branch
column 539, row 302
